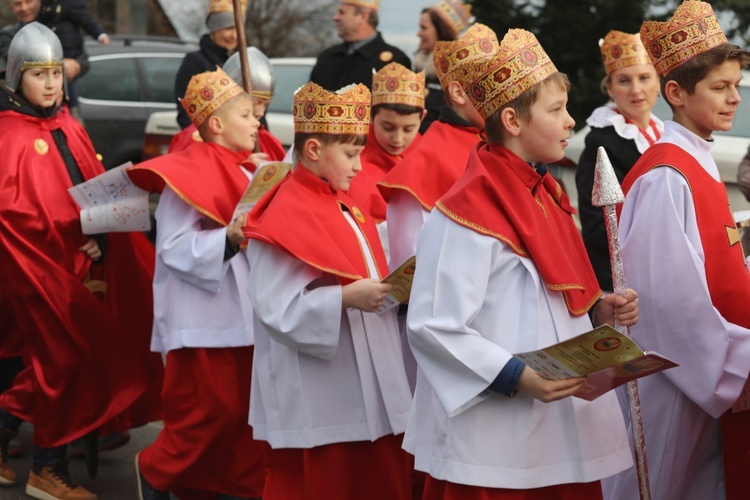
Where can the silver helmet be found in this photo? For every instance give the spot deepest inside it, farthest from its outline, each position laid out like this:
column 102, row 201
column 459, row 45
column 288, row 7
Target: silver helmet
column 261, row 72
column 34, row 46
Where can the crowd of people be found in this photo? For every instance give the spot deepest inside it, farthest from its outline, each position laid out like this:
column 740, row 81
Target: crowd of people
column 265, row 339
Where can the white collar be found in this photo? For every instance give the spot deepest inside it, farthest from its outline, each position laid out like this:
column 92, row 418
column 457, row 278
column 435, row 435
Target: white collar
column 607, row 116
column 697, row 147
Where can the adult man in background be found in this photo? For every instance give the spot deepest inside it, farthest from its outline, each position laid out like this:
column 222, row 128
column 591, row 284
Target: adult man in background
column 362, row 51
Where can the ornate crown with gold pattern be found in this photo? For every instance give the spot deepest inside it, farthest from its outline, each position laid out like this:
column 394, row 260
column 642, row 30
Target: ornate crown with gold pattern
column 519, row 63
column 620, row 50
column 224, row 5
column 692, row 31
column 317, row 111
column 365, row 4
column 206, row 93
column 479, row 42
column 395, row 84
column 455, row 13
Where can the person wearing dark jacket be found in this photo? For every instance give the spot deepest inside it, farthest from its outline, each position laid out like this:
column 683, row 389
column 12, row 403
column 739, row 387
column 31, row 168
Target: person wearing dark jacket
column 215, row 49
column 363, row 50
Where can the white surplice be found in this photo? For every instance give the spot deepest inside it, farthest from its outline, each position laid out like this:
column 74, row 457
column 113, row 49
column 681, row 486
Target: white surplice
column 199, row 298
column 475, row 302
column 405, row 216
column 321, row 374
column 664, row 261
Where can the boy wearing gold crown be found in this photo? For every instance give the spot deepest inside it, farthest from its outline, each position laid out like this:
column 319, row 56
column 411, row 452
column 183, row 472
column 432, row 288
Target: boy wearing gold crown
column 681, row 248
column 397, row 111
column 502, row 269
column 202, row 316
column 332, row 396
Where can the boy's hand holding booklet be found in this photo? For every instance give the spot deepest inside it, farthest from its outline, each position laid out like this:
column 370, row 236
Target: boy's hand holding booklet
column 606, row 357
column 401, row 280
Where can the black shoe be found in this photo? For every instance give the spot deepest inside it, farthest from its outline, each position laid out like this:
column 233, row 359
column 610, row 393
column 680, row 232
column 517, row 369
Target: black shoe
column 145, row 490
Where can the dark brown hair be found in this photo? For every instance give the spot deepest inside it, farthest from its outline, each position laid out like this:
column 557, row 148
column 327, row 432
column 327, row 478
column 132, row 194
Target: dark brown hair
column 692, row 71
column 522, row 106
column 326, row 139
column 399, row 109
column 444, row 32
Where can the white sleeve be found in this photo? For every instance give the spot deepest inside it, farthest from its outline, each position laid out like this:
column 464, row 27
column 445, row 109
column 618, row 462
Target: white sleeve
column 405, row 216
column 194, row 254
column 288, row 305
column 454, row 267
column 664, row 262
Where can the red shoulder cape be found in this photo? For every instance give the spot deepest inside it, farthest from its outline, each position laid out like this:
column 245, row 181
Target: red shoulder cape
column 501, row 196
column 376, row 163
column 207, row 176
column 322, row 237
column 87, row 356
column 268, row 143
column 434, row 165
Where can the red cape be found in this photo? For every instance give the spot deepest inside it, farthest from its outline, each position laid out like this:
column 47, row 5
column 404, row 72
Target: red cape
column 434, row 165
column 376, row 163
column 501, row 196
column 207, row 176
column 323, row 238
column 87, row 356
column 268, row 143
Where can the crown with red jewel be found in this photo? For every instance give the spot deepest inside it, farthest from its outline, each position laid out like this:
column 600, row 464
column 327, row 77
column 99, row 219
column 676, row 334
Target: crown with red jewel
column 456, row 14
column 396, row 84
column 519, row 63
column 206, row 93
column 479, row 42
column 317, row 111
column 620, row 50
column 692, row 31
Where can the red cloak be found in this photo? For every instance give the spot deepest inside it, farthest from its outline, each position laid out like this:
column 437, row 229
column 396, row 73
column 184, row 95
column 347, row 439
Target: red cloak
column 268, row 143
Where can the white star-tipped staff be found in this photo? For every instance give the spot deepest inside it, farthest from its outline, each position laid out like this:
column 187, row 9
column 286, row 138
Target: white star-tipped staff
column 608, row 194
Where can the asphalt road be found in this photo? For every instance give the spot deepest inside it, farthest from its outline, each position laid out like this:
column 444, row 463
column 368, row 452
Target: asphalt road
column 116, row 477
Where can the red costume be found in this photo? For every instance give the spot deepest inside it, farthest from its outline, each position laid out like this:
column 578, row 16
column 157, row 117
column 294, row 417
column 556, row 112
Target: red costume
column 376, row 163
column 87, row 358
column 723, row 257
column 434, row 164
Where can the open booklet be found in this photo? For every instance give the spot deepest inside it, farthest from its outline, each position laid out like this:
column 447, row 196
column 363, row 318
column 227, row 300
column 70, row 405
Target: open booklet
column 267, row 176
column 606, row 357
column 110, row 202
column 401, row 280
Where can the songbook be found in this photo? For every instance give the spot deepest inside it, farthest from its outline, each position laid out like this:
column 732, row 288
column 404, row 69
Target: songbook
column 401, row 280
column 110, row 202
column 606, row 357
column 267, row 176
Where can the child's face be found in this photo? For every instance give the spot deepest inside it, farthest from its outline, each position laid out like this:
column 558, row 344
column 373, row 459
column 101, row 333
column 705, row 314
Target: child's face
column 544, row 137
column 41, row 86
column 240, row 126
column 714, row 101
column 338, row 164
column 259, row 106
column 395, row 132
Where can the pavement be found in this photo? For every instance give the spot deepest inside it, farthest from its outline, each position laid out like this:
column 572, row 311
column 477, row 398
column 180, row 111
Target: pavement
column 116, row 476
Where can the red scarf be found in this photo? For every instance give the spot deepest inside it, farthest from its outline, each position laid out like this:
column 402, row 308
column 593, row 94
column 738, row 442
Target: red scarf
column 501, row 196
column 435, row 164
column 207, row 176
column 321, row 235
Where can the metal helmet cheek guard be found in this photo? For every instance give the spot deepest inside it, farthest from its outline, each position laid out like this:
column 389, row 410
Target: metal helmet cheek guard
column 34, row 46
column 261, row 72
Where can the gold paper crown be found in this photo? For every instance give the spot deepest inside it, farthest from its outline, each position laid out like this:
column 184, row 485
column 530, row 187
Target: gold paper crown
column 479, row 42
column 206, row 93
column 224, row 6
column 317, row 111
column 692, row 31
column 620, row 50
column 395, row 84
column 365, row 4
column 519, row 63
column 455, row 13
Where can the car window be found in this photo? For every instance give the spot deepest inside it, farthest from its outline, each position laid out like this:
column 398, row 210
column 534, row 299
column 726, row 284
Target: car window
column 288, row 79
column 111, row 80
column 160, row 75
column 740, row 125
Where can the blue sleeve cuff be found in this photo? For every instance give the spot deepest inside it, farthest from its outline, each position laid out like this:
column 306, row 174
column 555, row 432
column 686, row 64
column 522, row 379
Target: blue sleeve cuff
column 506, row 381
